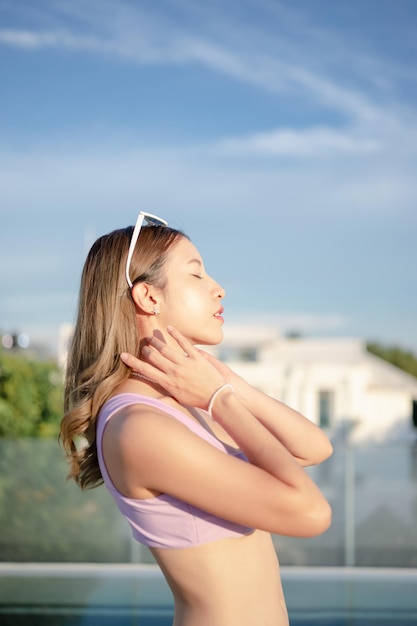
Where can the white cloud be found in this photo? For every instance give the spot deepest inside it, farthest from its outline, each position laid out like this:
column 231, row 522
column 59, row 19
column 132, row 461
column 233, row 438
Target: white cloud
column 316, row 142
column 269, row 58
column 363, row 179
column 57, row 39
column 359, row 176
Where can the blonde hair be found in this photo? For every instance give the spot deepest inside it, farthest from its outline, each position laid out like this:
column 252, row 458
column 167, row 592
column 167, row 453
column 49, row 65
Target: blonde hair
column 105, row 327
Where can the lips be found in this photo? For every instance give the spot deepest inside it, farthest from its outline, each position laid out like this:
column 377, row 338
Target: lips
column 219, row 312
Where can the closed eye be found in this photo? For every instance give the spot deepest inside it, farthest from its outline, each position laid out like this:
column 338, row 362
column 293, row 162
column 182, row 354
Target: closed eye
column 196, row 276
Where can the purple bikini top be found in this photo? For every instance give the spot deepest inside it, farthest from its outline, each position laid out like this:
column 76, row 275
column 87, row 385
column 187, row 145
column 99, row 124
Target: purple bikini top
column 165, row 521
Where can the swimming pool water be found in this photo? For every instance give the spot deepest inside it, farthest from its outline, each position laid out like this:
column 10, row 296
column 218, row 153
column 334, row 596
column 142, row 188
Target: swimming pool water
column 137, row 595
column 161, row 617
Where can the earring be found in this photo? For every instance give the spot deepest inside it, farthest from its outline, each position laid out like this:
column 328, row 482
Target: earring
column 156, row 311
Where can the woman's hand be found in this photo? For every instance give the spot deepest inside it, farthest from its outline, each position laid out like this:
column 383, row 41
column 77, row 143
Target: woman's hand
column 182, row 370
column 306, row 442
column 240, row 386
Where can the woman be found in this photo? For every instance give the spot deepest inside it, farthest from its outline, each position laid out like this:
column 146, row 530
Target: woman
column 202, row 465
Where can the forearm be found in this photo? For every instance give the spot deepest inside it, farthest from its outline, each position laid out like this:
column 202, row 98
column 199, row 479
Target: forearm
column 294, row 496
column 303, row 439
column 259, row 444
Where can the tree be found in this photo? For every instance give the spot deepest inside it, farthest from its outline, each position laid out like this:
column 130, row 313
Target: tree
column 30, row 397
column 403, row 359
column 42, row 516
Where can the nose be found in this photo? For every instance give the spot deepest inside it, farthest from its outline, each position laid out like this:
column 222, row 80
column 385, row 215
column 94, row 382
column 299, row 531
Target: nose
column 220, row 292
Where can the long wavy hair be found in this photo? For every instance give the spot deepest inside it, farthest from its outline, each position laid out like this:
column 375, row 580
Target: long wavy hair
column 105, row 327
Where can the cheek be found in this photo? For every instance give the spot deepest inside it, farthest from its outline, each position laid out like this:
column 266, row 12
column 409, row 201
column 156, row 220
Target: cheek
column 186, row 301
column 192, row 301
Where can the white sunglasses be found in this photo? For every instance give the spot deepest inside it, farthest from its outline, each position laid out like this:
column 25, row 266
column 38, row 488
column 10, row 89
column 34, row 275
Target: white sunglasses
column 152, row 220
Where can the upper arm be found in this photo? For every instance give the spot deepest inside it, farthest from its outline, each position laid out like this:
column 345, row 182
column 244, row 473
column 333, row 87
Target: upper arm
column 163, row 455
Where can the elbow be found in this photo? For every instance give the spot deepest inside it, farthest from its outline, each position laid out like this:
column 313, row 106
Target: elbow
column 321, row 452
column 309, row 516
column 327, row 450
column 319, row 518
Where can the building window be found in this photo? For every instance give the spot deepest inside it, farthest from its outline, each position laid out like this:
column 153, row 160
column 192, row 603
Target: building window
column 247, row 354
column 414, row 415
column 326, row 408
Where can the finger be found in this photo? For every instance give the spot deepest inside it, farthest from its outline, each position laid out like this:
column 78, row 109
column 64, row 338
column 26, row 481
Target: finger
column 206, row 355
column 146, row 369
column 186, row 346
column 130, row 360
column 211, row 359
column 168, row 352
column 158, row 356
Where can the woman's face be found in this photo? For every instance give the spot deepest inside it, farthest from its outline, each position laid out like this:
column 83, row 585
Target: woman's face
column 191, row 301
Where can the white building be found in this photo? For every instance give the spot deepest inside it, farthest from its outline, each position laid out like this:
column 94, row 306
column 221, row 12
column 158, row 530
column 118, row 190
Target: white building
column 334, row 382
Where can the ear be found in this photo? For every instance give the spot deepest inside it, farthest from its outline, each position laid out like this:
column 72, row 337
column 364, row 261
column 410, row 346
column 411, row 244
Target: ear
column 145, row 297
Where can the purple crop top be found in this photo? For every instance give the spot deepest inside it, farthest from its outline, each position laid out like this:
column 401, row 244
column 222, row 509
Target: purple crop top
column 164, row 521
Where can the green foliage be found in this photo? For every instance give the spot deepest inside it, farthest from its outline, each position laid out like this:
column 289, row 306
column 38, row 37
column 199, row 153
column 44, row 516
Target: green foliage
column 44, row 518
column 403, row 359
column 30, row 397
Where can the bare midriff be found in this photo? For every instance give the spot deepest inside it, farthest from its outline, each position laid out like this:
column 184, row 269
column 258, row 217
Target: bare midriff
column 229, row 582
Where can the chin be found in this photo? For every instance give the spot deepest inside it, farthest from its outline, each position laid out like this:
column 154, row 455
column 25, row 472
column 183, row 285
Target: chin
column 214, row 340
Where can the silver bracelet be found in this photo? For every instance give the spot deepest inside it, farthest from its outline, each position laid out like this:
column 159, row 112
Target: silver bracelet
column 214, row 396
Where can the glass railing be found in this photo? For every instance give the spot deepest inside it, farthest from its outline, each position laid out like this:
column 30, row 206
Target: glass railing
column 372, row 490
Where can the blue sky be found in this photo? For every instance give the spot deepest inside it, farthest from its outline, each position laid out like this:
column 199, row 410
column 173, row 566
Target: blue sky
column 281, row 136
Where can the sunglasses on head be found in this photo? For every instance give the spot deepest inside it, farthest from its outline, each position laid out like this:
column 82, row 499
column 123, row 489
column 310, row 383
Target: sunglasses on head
column 151, row 220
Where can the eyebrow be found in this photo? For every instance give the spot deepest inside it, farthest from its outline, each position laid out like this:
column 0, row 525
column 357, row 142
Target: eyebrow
column 195, row 261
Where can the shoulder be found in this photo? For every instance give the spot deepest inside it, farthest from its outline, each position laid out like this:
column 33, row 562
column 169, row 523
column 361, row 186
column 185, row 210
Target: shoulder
column 139, row 438
column 138, row 420
column 130, row 412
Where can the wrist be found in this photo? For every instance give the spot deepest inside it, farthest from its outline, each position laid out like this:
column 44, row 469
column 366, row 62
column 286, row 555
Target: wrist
column 224, row 389
column 245, row 392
